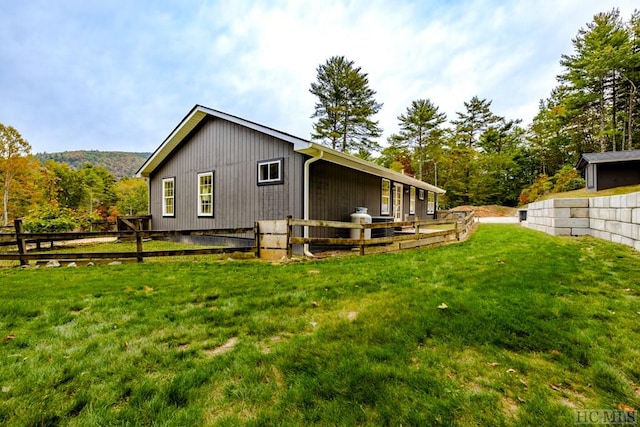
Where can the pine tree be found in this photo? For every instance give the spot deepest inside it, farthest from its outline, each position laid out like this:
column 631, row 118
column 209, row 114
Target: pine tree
column 420, row 130
column 472, row 123
column 345, row 107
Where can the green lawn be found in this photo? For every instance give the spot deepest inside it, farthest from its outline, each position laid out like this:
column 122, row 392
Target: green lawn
column 534, row 328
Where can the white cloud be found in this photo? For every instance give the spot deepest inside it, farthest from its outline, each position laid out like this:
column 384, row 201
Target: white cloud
column 121, row 76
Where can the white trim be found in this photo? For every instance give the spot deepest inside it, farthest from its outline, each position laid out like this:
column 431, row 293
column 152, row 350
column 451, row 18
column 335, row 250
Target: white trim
column 398, row 189
column 209, row 195
column 270, row 180
column 165, row 211
column 385, row 207
column 195, row 117
column 333, row 156
column 412, row 200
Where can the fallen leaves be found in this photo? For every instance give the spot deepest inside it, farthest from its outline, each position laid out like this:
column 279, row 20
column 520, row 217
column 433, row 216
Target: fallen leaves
column 443, row 306
column 9, row 338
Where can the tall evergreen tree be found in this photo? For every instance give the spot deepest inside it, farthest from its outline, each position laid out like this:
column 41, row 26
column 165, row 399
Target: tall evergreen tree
column 345, row 107
column 594, row 73
column 420, row 130
column 474, row 121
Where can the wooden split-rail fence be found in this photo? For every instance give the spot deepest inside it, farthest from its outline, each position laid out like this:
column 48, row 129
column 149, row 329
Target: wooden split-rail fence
column 271, row 239
column 22, row 240
column 279, row 238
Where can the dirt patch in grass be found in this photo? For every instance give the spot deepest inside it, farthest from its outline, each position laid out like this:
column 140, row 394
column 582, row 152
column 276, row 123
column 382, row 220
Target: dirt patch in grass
column 488, row 211
column 224, row 348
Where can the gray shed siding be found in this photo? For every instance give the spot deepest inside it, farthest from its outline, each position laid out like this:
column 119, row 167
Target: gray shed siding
column 611, row 175
column 337, row 190
column 232, row 152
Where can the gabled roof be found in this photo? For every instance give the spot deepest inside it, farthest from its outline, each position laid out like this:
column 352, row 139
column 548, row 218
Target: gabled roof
column 608, row 157
column 199, row 113
column 192, row 121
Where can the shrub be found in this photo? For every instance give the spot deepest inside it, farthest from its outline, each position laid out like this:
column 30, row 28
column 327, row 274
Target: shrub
column 52, row 219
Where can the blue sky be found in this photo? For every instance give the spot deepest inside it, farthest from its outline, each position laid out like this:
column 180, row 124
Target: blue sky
column 120, row 75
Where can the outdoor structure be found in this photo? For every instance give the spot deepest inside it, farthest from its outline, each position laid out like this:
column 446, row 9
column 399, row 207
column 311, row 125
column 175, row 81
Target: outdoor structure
column 216, row 170
column 614, row 218
column 610, row 169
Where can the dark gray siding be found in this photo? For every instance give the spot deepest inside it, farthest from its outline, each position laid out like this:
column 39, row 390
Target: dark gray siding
column 336, row 191
column 611, row 175
column 232, row 152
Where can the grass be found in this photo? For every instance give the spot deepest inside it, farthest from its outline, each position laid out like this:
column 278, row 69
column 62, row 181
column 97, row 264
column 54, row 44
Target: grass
column 127, row 246
column 534, row 328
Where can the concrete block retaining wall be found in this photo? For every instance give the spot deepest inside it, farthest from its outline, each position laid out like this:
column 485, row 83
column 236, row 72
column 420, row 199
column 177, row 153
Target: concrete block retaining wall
column 614, row 218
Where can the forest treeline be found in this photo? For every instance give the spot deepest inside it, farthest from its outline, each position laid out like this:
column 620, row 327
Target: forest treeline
column 55, row 196
column 480, row 157
column 121, row 164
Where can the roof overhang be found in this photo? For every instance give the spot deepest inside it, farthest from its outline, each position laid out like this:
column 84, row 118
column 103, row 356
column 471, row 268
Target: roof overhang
column 199, row 114
column 608, row 157
column 192, row 120
column 346, row 160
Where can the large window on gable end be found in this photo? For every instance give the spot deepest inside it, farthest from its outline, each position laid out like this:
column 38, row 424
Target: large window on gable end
column 205, row 194
column 168, row 197
column 270, row 172
column 385, row 199
column 412, row 200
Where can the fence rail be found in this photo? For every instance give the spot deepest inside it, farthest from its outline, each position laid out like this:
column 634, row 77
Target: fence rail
column 21, row 239
column 277, row 238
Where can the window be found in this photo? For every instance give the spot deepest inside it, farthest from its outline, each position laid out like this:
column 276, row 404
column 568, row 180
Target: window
column 421, row 194
column 385, row 200
column 412, row 200
column 205, row 194
column 431, row 205
column 168, row 196
column 270, row 172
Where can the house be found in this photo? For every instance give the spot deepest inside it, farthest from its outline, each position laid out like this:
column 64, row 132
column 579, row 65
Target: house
column 610, row 169
column 216, row 170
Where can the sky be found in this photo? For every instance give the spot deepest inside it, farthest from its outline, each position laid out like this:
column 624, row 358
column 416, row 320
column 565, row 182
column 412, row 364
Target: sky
column 121, row 75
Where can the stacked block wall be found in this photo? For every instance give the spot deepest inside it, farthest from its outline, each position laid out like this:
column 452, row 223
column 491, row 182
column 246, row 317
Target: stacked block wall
column 614, row 218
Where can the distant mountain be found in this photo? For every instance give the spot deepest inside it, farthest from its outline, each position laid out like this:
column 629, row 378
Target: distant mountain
column 119, row 163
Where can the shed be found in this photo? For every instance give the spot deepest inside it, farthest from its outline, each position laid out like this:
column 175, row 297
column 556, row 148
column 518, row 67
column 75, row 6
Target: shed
column 217, row 170
column 610, row 169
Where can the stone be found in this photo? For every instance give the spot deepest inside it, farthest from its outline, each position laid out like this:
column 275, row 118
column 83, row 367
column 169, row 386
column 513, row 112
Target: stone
column 53, row 263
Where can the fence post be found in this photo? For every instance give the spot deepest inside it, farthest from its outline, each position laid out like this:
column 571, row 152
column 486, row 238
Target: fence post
column 20, row 240
column 256, row 236
column 289, row 233
column 138, row 246
column 361, row 237
column 457, row 230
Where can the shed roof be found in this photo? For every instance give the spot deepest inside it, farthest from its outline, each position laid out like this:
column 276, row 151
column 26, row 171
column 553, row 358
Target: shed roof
column 608, row 157
column 200, row 113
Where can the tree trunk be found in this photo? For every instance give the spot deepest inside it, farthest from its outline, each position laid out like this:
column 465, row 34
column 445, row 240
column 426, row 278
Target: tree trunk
column 5, row 203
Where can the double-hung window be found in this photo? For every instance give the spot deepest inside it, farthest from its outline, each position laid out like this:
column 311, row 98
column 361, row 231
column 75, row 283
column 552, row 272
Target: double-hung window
column 385, row 199
column 205, row 194
column 270, row 172
column 412, row 200
column 168, row 196
column 431, row 202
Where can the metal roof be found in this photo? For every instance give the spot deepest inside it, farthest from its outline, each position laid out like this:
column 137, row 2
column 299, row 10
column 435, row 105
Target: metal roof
column 608, row 157
column 200, row 113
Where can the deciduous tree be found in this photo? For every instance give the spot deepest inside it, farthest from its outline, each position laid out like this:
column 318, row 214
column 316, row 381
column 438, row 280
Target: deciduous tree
column 13, row 151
